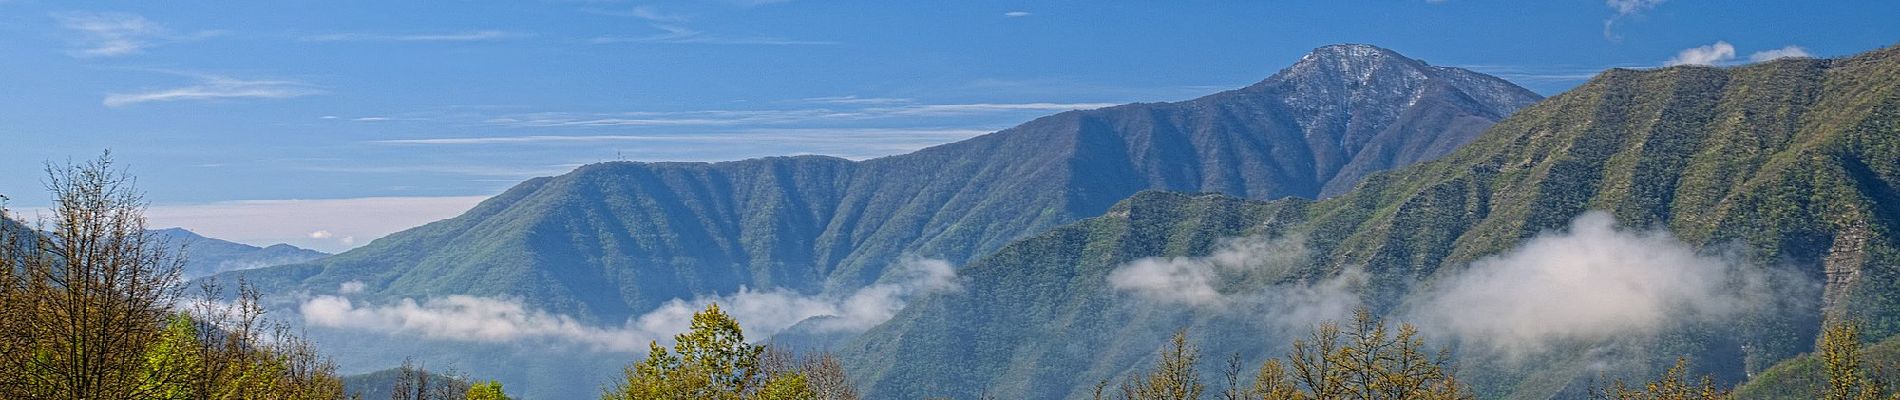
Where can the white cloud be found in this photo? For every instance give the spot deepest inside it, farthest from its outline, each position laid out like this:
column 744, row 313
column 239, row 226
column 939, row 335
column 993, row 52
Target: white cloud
column 211, row 87
column 879, row 302
column 1628, row 7
column 1195, row 280
column 1592, row 283
column 761, row 313
column 1785, row 52
column 1623, row 9
column 1712, row 54
column 468, row 36
column 1200, row 282
column 119, row 34
column 1015, row 14
column 765, row 313
column 466, row 318
column 351, row 287
column 300, row 222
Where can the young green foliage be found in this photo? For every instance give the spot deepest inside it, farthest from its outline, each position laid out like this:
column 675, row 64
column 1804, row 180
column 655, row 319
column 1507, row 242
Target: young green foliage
column 713, row 361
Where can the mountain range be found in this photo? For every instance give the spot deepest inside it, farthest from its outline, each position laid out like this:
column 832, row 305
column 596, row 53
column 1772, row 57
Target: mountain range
column 1787, row 168
column 1732, row 210
column 609, row 241
column 207, row 256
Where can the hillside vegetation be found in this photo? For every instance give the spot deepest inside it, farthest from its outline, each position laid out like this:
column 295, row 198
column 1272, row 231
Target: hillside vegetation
column 1790, row 164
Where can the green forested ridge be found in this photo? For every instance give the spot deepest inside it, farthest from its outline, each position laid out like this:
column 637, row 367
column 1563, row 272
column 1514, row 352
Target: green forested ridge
column 611, row 240
column 1791, row 162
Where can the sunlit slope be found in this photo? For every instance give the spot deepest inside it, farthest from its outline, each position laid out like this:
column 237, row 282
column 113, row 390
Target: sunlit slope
column 1787, row 163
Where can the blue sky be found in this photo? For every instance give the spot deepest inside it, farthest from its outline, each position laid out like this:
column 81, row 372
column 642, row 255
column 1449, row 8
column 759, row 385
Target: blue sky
column 327, row 123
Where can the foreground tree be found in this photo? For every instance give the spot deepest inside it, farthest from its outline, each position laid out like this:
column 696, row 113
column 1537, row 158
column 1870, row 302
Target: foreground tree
column 1370, row 362
column 712, row 360
column 1847, row 377
column 1674, row 384
column 85, row 295
column 90, row 301
column 415, row 382
column 489, row 390
column 1172, row 378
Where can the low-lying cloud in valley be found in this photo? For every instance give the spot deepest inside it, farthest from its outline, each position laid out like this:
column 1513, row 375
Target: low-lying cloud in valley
column 1200, row 282
column 761, row 312
column 1195, row 280
column 1596, row 282
column 1592, row 283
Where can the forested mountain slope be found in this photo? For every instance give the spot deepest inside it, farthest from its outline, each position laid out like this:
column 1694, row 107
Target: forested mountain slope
column 1787, row 165
column 611, row 240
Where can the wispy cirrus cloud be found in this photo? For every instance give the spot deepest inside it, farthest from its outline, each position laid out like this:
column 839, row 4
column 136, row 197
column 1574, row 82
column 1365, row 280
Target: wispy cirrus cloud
column 673, row 29
column 511, row 173
column 111, row 34
column 800, row 135
column 670, row 33
column 649, row 13
column 854, row 99
column 758, row 117
column 467, row 36
column 848, row 143
column 216, row 87
column 1017, row 14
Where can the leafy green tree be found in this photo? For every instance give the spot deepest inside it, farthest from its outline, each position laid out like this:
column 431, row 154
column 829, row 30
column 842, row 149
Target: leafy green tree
column 788, row 386
column 710, row 361
column 490, row 390
column 173, row 358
